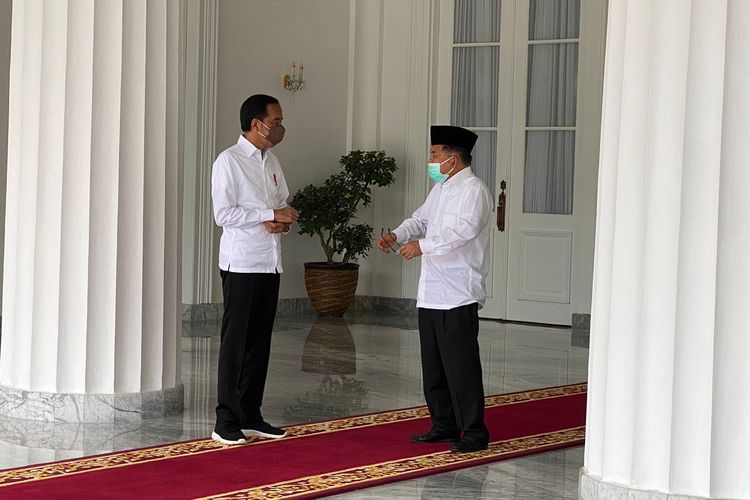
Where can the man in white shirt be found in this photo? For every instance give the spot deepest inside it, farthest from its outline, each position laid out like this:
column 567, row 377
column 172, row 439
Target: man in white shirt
column 451, row 232
column 249, row 195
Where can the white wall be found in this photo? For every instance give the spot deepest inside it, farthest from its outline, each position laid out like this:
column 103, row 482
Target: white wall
column 5, row 21
column 380, row 89
column 391, row 112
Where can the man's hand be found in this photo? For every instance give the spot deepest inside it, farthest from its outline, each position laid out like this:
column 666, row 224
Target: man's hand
column 276, row 227
column 410, row 250
column 287, row 215
column 386, row 241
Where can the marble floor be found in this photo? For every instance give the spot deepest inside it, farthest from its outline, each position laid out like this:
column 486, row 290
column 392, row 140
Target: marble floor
column 323, row 369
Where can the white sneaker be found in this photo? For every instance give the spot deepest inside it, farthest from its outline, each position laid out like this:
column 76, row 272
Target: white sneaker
column 264, row 430
column 222, row 440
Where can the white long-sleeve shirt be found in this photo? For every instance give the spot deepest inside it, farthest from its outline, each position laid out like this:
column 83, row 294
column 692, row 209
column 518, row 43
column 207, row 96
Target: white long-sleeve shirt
column 246, row 187
column 453, row 230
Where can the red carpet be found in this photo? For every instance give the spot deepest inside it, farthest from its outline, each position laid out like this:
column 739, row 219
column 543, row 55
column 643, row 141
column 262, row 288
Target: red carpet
column 316, row 459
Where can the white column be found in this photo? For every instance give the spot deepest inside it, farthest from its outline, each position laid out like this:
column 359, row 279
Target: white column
column 5, row 17
column 668, row 377
column 92, row 255
column 200, row 236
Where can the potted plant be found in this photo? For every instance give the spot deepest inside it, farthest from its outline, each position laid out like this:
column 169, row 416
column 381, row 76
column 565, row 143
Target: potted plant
column 328, row 212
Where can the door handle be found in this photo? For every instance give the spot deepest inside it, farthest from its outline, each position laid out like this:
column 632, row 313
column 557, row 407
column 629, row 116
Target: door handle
column 501, row 207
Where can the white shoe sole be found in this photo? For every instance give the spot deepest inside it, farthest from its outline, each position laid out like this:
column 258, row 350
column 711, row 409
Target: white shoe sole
column 221, row 440
column 253, row 433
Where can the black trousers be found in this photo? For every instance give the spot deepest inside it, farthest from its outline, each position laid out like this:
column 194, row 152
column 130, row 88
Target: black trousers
column 249, row 311
column 451, row 369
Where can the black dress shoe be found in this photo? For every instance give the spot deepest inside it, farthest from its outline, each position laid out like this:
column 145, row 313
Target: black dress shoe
column 467, row 444
column 434, row 436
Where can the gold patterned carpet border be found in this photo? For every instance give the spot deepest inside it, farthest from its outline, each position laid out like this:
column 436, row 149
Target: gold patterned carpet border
column 361, row 476
column 133, row 457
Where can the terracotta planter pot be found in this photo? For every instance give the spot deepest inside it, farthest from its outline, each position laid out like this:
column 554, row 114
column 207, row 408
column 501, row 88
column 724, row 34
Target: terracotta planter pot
column 331, row 288
column 329, row 348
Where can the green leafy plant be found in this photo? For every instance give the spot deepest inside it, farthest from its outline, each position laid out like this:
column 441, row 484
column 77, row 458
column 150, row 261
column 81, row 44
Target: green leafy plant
column 328, row 210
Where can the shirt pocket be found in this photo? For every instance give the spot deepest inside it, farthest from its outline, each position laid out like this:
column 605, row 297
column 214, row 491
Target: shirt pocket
column 449, row 220
column 278, row 193
column 442, row 221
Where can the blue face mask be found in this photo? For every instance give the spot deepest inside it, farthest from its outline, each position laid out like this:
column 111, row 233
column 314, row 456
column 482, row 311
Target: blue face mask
column 433, row 170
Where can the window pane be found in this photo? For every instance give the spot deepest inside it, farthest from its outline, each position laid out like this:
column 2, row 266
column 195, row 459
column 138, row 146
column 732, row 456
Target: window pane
column 548, row 172
column 476, row 71
column 552, row 85
column 484, row 159
column 476, row 21
column 554, row 19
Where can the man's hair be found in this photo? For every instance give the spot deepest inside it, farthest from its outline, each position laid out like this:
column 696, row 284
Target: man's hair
column 254, row 108
column 460, row 152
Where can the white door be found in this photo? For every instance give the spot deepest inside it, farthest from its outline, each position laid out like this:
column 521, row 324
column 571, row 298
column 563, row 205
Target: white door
column 526, row 75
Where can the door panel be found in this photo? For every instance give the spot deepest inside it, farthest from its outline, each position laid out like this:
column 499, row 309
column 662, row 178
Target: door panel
column 544, row 270
column 526, row 76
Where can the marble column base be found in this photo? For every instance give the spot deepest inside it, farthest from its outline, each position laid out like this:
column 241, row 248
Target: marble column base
column 593, row 488
column 202, row 312
column 90, row 408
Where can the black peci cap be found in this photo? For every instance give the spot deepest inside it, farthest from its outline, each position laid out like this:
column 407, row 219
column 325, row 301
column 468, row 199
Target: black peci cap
column 447, row 135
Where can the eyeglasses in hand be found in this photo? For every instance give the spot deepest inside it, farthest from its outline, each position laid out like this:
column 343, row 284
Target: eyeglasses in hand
column 384, row 234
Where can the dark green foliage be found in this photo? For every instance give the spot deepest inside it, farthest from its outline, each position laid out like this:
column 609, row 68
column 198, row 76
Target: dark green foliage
column 328, row 210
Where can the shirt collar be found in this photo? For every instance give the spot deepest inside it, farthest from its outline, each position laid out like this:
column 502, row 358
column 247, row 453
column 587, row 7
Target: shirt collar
column 248, row 147
column 465, row 172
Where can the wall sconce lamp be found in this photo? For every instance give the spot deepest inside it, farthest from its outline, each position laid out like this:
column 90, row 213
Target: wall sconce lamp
column 294, row 81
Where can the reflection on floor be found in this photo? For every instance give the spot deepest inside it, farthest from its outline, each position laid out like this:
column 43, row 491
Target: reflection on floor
column 327, row 368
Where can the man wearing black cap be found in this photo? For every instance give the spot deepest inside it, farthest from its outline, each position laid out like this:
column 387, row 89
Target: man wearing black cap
column 451, row 232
